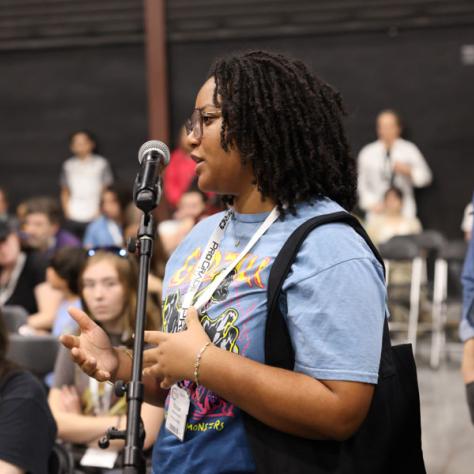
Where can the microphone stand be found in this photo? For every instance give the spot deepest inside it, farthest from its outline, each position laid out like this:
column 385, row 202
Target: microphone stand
column 134, row 435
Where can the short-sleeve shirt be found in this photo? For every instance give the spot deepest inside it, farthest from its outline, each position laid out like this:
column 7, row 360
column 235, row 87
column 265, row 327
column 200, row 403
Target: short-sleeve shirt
column 27, row 427
column 334, row 301
column 85, row 180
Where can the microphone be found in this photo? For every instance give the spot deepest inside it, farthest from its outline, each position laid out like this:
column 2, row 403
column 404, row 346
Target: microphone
column 153, row 157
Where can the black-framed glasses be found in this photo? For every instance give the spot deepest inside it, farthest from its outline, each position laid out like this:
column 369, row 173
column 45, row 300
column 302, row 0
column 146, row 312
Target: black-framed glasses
column 119, row 251
column 198, row 119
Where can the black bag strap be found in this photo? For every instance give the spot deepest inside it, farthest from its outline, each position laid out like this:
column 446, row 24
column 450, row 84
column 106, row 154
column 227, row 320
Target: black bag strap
column 279, row 351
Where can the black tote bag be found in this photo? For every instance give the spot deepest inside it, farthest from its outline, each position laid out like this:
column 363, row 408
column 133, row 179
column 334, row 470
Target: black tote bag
column 388, row 441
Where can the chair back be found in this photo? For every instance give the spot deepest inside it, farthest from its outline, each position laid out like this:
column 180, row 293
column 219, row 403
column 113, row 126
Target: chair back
column 400, row 248
column 13, row 317
column 34, row 353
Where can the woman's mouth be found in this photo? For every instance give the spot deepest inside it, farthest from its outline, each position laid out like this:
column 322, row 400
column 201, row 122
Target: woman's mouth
column 197, row 159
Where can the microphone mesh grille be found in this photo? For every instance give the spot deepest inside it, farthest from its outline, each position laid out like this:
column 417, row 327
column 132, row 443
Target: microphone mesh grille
column 156, row 145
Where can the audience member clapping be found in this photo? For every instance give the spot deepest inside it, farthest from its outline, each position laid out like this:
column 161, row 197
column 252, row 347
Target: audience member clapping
column 84, row 408
column 108, row 229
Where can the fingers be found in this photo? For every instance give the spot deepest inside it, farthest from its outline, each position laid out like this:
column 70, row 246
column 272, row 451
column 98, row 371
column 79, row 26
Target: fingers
column 149, row 357
column 154, row 337
column 192, row 317
column 152, row 371
column 89, row 365
column 81, row 318
column 69, row 341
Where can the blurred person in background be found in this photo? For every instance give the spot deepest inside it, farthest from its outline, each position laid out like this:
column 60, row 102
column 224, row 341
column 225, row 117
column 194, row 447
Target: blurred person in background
column 390, row 221
column 467, row 221
column 466, row 328
column 108, row 229
column 22, row 280
column 41, row 226
column 179, row 173
column 27, row 428
column 83, row 177
column 84, row 408
column 390, row 161
column 63, row 275
column 192, row 207
column 4, row 204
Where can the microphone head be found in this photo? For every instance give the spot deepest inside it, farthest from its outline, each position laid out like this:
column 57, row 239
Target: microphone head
column 154, row 145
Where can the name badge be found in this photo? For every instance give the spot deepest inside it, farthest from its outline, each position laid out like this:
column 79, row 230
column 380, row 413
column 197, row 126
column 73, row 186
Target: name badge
column 178, row 409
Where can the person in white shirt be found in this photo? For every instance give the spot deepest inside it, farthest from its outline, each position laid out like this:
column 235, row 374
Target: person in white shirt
column 390, row 161
column 83, row 178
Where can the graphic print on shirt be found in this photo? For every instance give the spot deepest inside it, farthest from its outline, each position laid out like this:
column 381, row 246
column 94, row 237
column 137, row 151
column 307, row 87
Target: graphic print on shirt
column 208, row 411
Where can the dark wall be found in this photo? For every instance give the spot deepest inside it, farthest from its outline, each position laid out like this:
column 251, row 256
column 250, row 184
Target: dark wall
column 418, row 72
column 47, row 94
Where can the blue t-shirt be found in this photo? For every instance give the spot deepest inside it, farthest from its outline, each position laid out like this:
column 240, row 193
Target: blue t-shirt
column 335, row 307
column 103, row 232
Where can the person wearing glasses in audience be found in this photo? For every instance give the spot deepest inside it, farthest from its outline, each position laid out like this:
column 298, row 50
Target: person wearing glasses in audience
column 83, row 407
column 268, row 136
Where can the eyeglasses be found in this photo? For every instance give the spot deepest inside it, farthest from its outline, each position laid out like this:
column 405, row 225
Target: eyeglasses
column 198, row 119
column 119, row 251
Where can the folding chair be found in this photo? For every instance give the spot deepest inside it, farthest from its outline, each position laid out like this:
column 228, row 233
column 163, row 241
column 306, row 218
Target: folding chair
column 399, row 249
column 13, row 317
column 34, row 353
column 447, row 290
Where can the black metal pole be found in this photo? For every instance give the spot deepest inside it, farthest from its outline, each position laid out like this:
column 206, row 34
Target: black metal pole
column 134, row 461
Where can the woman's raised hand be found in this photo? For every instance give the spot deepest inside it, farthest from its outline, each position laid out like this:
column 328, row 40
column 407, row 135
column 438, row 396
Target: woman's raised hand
column 91, row 350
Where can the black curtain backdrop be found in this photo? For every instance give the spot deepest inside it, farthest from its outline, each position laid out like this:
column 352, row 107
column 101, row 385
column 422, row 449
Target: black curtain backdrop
column 46, row 94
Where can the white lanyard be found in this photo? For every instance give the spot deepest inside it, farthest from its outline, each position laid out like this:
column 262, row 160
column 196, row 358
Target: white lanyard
column 207, row 257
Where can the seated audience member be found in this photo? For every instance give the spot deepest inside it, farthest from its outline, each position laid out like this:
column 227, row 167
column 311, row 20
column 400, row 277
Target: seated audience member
column 22, row 280
column 390, row 161
column 41, row 226
column 83, row 177
column 191, row 208
column 179, row 173
column 27, row 428
column 84, row 408
column 467, row 221
column 63, row 275
column 107, row 230
column 390, row 221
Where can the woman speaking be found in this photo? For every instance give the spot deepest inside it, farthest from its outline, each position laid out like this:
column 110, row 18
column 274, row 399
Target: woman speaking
column 267, row 135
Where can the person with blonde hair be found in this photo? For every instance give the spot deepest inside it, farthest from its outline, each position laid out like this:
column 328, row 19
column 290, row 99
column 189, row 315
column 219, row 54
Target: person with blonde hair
column 84, row 408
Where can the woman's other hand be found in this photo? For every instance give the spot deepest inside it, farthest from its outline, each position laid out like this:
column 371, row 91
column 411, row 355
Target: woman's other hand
column 91, row 350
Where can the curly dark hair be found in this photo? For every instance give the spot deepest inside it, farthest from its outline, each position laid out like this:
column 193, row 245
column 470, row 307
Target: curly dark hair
column 288, row 124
